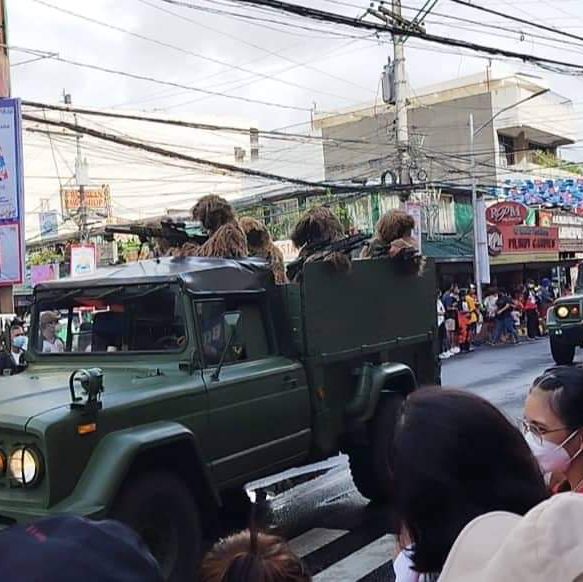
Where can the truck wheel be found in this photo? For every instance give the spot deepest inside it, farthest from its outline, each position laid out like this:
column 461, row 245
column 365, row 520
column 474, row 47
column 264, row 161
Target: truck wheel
column 371, row 464
column 161, row 509
column 563, row 353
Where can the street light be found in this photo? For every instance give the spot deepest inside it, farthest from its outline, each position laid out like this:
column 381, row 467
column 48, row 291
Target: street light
column 473, row 134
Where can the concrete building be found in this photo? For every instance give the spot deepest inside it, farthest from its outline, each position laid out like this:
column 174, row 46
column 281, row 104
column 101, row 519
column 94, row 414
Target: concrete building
column 438, row 119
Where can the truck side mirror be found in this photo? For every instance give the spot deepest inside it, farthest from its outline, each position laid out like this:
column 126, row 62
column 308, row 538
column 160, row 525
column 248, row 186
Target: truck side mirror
column 231, row 321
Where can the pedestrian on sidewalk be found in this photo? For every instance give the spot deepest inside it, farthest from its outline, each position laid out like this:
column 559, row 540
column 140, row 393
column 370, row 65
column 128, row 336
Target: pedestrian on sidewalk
column 547, row 296
column 455, row 457
column 490, row 312
column 464, row 323
column 451, row 303
column 441, row 334
column 530, row 305
column 504, row 320
column 474, row 311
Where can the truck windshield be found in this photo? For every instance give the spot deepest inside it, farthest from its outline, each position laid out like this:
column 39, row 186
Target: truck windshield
column 132, row 318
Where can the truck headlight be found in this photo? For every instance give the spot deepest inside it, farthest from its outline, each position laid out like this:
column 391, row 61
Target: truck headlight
column 25, row 466
column 562, row 311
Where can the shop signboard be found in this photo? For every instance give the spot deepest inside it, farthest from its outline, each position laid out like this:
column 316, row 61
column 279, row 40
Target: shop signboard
column 506, row 213
column 44, row 273
column 95, row 200
column 11, row 194
column 523, row 244
column 49, row 224
column 83, row 260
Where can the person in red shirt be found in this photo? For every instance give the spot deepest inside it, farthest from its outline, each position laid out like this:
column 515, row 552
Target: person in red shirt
column 530, row 307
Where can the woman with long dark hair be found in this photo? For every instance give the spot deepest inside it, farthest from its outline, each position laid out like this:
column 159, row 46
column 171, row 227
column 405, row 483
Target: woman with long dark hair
column 456, row 457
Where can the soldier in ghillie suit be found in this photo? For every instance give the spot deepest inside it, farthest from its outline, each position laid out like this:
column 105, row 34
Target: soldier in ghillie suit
column 394, row 239
column 226, row 239
column 260, row 244
column 319, row 236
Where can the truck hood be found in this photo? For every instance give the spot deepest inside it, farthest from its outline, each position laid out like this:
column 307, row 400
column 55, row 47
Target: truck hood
column 41, row 389
column 28, row 394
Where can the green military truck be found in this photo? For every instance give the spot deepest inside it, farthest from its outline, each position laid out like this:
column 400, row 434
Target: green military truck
column 565, row 325
column 154, row 387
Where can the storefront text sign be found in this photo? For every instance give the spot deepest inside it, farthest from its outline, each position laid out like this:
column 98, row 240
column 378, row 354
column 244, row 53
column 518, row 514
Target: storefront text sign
column 506, row 213
column 526, row 244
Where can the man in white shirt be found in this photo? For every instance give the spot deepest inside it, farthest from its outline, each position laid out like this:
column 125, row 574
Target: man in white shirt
column 48, row 327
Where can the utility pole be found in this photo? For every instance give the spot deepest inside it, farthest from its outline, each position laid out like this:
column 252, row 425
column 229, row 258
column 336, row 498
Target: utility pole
column 80, row 180
column 401, row 117
column 395, row 78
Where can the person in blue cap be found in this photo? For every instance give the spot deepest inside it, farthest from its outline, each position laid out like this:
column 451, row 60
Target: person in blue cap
column 70, row 549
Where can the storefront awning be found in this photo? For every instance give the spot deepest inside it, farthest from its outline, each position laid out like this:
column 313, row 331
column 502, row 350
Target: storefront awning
column 448, row 249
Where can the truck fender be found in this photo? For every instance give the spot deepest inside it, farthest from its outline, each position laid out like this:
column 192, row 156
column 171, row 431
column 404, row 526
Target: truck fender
column 113, row 458
column 374, row 380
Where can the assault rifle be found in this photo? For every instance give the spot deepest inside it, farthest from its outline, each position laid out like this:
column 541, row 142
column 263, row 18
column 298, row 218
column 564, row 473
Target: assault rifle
column 346, row 246
column 176, row 233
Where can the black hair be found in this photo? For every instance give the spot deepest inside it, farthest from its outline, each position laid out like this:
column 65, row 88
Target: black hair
column 565, row 384
column 457, row 457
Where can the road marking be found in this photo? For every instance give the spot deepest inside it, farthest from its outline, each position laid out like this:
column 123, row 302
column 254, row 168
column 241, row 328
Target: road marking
column 314, row 539
column 360, row 563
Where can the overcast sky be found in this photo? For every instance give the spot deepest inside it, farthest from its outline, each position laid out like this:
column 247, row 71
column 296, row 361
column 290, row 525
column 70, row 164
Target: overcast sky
column 330, row 66
column 291, row 63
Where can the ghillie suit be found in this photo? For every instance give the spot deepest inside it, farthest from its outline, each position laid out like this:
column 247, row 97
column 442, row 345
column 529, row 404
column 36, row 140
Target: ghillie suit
column 394, row 240
column 319, row 236
column 226, row 239
column 260, row 244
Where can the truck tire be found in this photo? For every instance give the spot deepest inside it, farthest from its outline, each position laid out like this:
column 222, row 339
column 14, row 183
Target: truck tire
column 562, row 352
column 161, row 509
column 370, row 464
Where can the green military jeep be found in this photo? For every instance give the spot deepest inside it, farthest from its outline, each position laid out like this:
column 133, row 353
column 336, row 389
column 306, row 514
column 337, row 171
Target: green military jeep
column 565, row 327
column 154, row 387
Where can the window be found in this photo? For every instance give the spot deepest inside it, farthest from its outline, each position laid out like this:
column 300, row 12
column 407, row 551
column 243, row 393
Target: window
column 506, row 144
column 250, row 341
column 446, row 215
column 132, row 318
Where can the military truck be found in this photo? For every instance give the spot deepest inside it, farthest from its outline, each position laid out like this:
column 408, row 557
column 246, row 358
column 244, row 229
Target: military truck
column 565, row 325
column 154, row 387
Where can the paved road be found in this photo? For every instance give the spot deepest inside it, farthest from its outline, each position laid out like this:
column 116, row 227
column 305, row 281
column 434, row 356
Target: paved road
column 339, row 534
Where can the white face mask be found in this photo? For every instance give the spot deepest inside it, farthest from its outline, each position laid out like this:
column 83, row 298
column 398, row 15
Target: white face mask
column 552, row 458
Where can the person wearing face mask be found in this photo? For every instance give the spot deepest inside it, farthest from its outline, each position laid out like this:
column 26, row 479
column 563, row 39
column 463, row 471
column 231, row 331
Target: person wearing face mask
column 49, row 322
column 553, row 425
column 12, row 361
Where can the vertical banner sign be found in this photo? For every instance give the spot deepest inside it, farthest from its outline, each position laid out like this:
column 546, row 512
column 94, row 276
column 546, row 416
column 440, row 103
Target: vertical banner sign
column 482, row 238
column 11, row 194
column 49, row 224
column 414, row 210
column 83, row 259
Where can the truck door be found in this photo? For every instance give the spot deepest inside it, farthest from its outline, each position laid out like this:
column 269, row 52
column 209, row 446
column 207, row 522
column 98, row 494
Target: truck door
column 259, row 408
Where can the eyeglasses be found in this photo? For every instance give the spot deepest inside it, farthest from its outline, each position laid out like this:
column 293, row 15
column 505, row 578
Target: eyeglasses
column 536, row 431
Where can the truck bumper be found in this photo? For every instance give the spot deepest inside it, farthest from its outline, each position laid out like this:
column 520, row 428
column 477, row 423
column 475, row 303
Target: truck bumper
column 569, row 334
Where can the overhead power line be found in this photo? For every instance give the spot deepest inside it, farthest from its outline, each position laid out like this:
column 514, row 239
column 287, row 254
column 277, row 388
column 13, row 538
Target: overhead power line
column 519, row 20
column 331, row 17
column 187, row 124
column 140, row 77
column 219, row 166
column 181, row 49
